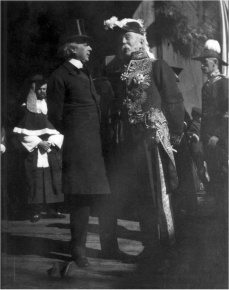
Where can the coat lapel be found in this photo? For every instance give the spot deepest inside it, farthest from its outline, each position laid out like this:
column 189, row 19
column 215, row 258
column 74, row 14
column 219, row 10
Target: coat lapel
column 74, row 71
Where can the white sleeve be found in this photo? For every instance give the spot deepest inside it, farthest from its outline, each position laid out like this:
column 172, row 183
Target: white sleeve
column 56, row 140
column 29, row 142
column 3, row 148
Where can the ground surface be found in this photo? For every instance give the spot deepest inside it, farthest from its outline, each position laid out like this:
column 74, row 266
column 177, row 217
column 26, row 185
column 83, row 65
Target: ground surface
column 29, row 250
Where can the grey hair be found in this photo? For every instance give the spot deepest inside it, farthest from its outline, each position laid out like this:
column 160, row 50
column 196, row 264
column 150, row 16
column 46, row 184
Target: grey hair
column 147, row 49
column 68, row 50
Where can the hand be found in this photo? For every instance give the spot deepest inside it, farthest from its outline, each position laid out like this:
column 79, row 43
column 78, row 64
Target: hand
column 193, row 138
column 3, row 149
column 213, row 141
column 44, row 145
column 175, row 139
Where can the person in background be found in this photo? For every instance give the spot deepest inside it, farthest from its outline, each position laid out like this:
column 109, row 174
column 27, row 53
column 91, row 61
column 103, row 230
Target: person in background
column 193, row 134
column 105, row 91
column 152, row 115
column 3, row 140
column 214, row 123
column 4, row 200
column 43, row 144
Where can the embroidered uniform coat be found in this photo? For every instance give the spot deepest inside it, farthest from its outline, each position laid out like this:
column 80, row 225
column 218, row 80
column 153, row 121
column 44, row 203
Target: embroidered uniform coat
column 152, row 112
column 73, row 106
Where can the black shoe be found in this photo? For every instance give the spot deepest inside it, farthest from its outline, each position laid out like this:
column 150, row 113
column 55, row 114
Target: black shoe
column 55, row 215
column 118, row 255
column 64, row 269
column 54, row 271
column 147, row 254
column 153, row 259
column 35, row 218
column 81, row 261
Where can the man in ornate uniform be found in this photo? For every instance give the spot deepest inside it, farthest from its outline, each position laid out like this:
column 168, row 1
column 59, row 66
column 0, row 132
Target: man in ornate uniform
column 152, row 114
column 214, row 122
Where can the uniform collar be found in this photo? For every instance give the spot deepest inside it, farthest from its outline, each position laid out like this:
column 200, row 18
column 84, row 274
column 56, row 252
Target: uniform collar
column 139, row 55
column 214, row 74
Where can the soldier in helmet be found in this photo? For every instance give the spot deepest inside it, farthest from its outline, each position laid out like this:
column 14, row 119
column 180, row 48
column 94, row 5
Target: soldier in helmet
column 214, row 122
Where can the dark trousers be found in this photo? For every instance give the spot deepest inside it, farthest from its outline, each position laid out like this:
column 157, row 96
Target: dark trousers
column 80, row 210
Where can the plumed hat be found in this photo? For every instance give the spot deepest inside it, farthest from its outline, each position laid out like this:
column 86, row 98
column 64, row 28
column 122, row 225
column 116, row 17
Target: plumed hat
column 211, row 50
column 126, row 25
column 75, row 33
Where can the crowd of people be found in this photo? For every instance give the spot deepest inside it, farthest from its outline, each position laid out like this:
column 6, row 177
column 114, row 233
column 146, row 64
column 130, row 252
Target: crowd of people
column 87, row 145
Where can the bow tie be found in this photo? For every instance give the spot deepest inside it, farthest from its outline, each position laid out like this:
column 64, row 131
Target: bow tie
column 82, row 69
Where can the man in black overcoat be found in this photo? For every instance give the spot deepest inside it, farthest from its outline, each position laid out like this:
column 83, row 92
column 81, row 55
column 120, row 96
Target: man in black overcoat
column 74, row 109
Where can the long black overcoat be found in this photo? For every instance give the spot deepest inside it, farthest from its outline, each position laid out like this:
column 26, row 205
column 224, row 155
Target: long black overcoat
column 73, row 108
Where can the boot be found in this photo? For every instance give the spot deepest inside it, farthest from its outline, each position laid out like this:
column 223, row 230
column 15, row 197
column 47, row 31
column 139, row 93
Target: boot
column 79, row 224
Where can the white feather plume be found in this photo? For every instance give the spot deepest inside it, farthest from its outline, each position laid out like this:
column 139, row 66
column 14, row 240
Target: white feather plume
column 110, row 23
column 213, row 45
column 113, row 21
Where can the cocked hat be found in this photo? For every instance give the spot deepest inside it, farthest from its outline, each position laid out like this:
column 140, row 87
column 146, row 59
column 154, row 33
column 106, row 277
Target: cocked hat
column 126, row 25
column 211, row 50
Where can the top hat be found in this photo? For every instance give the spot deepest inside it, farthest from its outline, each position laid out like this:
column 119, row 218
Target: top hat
column 76, row 33
column 211, row 50
column 126, row 25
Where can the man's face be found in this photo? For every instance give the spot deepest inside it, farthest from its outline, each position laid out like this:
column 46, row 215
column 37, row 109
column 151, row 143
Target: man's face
column 129, row 42
column 207, row 66
column 82, row 51
column 41, row 92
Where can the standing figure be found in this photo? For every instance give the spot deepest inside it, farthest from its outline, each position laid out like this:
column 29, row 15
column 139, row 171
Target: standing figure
column 74, row 108
column 105, row 90
column 3, row 175
column 43, row 159
column 214, row 123
column 3, row 140
column 152, row 114
column 193, row 134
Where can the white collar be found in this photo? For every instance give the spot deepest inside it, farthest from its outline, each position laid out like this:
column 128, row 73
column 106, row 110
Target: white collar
column 42, row 106
column 77, row 63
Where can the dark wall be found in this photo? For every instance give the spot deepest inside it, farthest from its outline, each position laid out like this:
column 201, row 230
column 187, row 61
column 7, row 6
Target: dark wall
column 32, row 30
